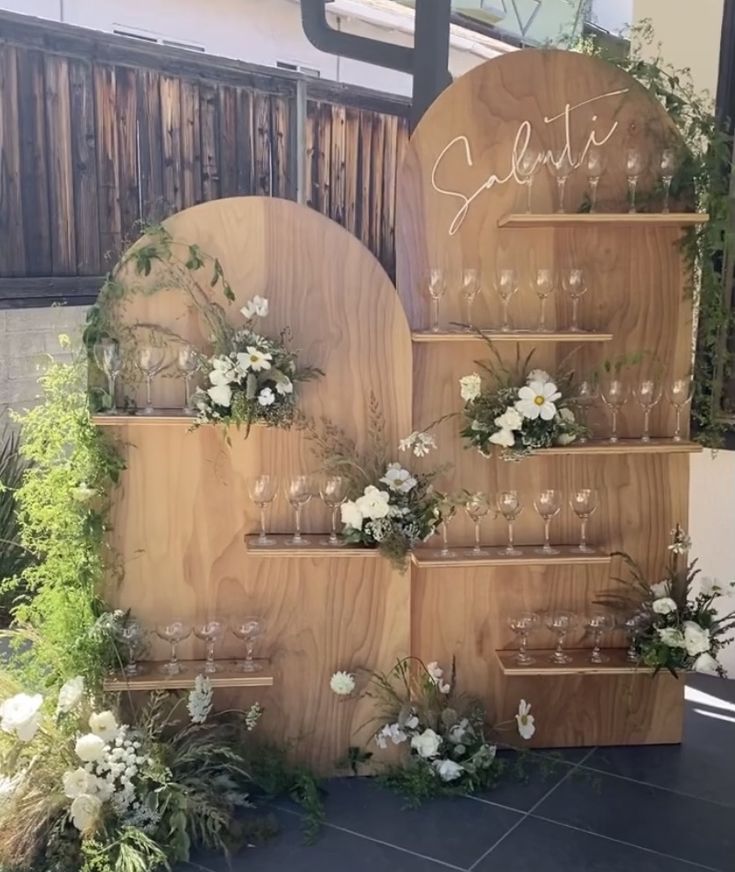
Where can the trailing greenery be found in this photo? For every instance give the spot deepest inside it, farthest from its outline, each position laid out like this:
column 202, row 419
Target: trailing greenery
column 13, row 556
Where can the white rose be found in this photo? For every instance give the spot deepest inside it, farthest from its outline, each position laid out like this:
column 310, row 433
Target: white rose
column 78, row 781
column 664, row 606
column 672, row 637
column 447, row 770
column 89, row 748
column 426, row 744
column 511, row 419
column 503, row 437
column 219, row 377
column 707, row 664
column 104, row 725
column 538, row 375
column 470, row 387
column 284, row 386
column 373, row 503
column 351, row 515
column 342, row 683
column 256, row 306
column 567, row 416
column 70, row 694
column 85, row 809
column 21, row 715
column 220, row 394
column 696, row 639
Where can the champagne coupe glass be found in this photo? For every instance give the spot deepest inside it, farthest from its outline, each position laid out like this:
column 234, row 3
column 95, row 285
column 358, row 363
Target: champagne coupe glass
column 210, row 632
column 448, row 509
column 680, row 394
column 634, row 166
column 469, row 290
column 561, row 169
column 248, row 629
column 299, row 490
column 574, row 284
column 586, row 395
column 262, row 490
column 150, row 360
column 599, row 623
column 583, row 503
column 509, row 506
column 528, row 165
column 561, row 623
column 633, row 630
column 132, row 634
column 594, row 164
column 647, row 393
column 614, row 395
column 548, row 506
column 544, row 286
column 333, row 490
column 437, row 288
column 188, row 363
column 173, row 631
column 506, row 284
column 522, row 624
column 667, row 165
column 477, row 506
column 109, row 360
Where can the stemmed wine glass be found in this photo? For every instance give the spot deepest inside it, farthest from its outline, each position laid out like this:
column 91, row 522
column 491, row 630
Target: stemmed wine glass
column 544, row 286
column 437, row 287
column 634, row 166
column 150, row 360
column 561, row 623
column 561, row 170
column 188, row 363
column 173, row 631
column 548, row 506
column 509, row 506
column 210, row 632
column 333, row 490
column 594, row 164
column 470, row 289
column 523, row 624
column 586, row 394
column 262, row 490
column 633, row 627
column 109, row 360
column 132, row 634
column 477, row 506
column 299, row 490
column 614, row 395
column 680, row 394
column 574, row 284
column 248, row 629
column 583, row 503
column 528, row 165
column 506, row 284
column 447, row 508
column 667, row 165
column 599, row 623
column 647, row 393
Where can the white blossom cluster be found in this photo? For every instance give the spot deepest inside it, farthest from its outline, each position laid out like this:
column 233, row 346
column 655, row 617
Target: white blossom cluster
column 200, row 700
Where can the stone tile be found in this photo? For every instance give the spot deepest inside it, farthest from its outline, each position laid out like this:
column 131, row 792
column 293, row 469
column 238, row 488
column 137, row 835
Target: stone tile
column 527, row 780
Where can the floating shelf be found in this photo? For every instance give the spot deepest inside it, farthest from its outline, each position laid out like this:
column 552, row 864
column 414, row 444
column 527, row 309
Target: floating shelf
column 624, row 446
column 619, row 219
column 151, row 678
column 314, row 547
column 170, row 417
column 618, row 664
column 463, row 557
column 516, row 336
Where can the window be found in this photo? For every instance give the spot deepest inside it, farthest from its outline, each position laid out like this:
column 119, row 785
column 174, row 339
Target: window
column 298, row 68
column 146, row 36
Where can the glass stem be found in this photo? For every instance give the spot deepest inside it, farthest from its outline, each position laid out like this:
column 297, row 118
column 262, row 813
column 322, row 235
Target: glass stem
column 148, row 402
column 506, row 322
column 547, row 534
column 593, row 194
column 468, row 309
column 187, row 393
column 435, row 315
column 561, row 185
column 113, row 404
column 263, row 534
column 560, row 642
column 597, row 639
column 249, row 646
column 583, row 534
column 677, row 431
column 477, row 536
column 646, row 422
column 174, row 657
column 445, row 539
column 667, row 191
column 575, row 313
column 529, row 189
column 523, row 643
column 510, row 536
column 298, row 521
column 542, row 315
column 582, row 415
column 333, row 534
column 614, row 428
column 632, row 185
column 210, row 652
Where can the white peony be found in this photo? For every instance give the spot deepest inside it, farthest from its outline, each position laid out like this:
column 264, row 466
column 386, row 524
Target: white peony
column 536, row 400
column 503, row 437
column 220, row 394
column 220, row 376
column 664, row 606
column 104, row 725
column 525, row 720
column 373, row 503
column 266, row 397
column 398, row 479
column 436, row 673
column 470, row 387
column 509, row 420
column 351, row 515
column 672, row 637
column 538, row 375
column 70, row 694
column 21, row 715
column 342, row 683
column 85, row 809
column 696, row 639
column 447, row 770
column 78, row 781
column 426, row 744
column 707, row 664
column 256, row 306
column 89, row 748
column 284, row 386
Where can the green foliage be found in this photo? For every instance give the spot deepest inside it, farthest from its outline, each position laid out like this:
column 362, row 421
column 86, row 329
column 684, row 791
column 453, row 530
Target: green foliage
column 13, row 556
column 128, row 850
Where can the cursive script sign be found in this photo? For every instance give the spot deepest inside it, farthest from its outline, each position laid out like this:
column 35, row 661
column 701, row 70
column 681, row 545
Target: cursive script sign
column 523, row 162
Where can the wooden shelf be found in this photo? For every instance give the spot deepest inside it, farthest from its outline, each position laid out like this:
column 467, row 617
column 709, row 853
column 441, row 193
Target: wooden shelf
column 170, row 417
column 619, row 219
column 624, row 446
column 463, row 557
column 314, row 547
column 516, row 336
column 151, row 677
column 618, row 664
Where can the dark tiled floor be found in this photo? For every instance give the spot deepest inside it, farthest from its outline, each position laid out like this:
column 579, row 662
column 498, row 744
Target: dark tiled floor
column 649, row 809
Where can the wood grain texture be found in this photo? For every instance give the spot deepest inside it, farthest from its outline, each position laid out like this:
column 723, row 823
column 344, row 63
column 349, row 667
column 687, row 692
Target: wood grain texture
column 150, row 676
column 616, row 219
column 61, row 188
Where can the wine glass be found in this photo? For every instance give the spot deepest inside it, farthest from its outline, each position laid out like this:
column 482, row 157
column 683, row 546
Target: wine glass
column 437, row 287
column 548, row 506
column 299, row 490
column 150, row 360
column 594, row 164
column 586, row 395
column 528, row 165
column 109, row 360
column 333, row 490
column 447, row 509
column 583, row 503
column 667, row 165
column 132, row 635
column 506, row 284
column 647, row 393
column 634, row 166
column 477, row 506
column 543, row 285
column 262, row 490
column 614, row 394
column 173, row 631
column 188, row 363
column 248, row 629
column 599, row 623
column 561, row 623
column 509, row 506
column 680, row 394
column 522, row 624
column 210, row 632
column 561, row 169
column 470, row 289
column 633, row 626
column 575, row 285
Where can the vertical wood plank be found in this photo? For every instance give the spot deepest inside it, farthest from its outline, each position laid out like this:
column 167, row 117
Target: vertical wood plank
column 170, row 93
column 376, row 183
column 284, row 185
column 61, row 188
column 311, row 135
column 388, row 212
column 351, row 167
column 337, row 164
column 108, row 168
column 151, row 146
column 191, row 145
column 33, row 175
column 227, row 109
column 244, row 141
column 324, row 158
column 210, row 142
column 84, row 159
column 126, row 113
column 263, row 145
column 12, row 247
column 366, row 144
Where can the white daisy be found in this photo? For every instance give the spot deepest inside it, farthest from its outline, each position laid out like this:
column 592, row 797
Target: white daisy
column 536, row 400
column 254, row 359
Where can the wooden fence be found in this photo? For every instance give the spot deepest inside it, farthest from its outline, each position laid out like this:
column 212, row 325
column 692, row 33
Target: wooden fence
column 99, row 132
